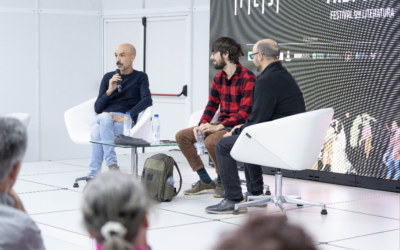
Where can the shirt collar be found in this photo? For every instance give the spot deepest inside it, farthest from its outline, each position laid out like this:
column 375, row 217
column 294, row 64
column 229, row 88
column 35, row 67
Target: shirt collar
column 6, row 200
column 270, row 66
column 237, row 71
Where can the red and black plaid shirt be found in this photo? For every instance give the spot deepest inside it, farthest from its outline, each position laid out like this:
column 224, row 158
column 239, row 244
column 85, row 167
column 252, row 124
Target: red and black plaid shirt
column 234, row 95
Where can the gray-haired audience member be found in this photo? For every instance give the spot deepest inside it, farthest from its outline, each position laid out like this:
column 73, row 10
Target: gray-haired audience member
column 115, row 209
column 263, row 232
column 17, row 229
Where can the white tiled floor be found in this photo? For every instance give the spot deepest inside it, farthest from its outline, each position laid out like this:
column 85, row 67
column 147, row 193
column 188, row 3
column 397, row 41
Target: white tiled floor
column 357, row 218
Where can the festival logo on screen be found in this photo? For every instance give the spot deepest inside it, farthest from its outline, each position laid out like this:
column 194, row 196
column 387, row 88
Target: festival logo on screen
column 255, row 4
column 358, row 14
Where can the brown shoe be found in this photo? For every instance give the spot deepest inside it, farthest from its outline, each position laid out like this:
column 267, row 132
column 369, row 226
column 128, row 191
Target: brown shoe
column 219, row 190
column 200, row 188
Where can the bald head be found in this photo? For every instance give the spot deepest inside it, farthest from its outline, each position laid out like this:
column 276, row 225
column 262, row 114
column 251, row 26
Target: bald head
column 269, row 48
column 125, row 54
column 127, row 48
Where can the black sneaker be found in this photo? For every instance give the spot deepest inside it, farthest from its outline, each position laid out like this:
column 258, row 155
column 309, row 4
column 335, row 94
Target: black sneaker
column 113, row 167
column 225, row 207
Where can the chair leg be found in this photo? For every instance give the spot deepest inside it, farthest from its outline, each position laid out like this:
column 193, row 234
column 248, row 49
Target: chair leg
column 76, row 185
column 253, row 203
column 280, row 205
column 307, row 203
column 254, row 198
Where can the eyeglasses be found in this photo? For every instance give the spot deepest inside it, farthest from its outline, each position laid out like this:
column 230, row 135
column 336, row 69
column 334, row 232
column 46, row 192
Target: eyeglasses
column 252, row 55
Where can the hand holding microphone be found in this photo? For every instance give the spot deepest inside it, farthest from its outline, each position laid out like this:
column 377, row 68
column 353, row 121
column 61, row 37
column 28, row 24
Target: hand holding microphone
column 113, row 84
column 119, row 82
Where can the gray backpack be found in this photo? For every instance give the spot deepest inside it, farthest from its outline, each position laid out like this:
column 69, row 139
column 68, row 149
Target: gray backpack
column 156, row 171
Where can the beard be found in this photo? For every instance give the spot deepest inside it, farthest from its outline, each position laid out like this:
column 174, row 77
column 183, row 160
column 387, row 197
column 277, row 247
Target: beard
column 219, row 64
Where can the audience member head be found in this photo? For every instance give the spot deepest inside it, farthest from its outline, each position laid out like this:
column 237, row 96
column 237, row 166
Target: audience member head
column 125, row 54
column 263, row 232
column 225, row 50
column 115, row 209
column 13, row 141
column 267, row 52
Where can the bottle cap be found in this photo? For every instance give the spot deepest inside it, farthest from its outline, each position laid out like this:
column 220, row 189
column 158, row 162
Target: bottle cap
column 128, row 113
column 156, row 115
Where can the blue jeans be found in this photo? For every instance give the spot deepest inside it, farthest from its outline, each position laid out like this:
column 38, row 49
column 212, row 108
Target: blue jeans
column 104, row 129
column 392, row 163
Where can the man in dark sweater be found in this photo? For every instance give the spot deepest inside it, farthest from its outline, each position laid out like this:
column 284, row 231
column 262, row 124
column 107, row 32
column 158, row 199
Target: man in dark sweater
column 275, row 95
column 112, row 106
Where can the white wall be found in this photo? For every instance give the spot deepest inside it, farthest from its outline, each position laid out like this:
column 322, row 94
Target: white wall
column 51, row 60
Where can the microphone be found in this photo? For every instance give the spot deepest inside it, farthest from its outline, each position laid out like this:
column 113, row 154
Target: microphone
column 119, row 82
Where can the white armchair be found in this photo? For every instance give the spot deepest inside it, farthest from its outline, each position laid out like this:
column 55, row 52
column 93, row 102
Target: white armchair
column 292, row 143
column 79, row 121
column 22, row 117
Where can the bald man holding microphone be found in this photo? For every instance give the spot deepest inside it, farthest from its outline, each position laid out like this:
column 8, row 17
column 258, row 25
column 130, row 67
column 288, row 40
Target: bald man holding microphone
column 120, row 92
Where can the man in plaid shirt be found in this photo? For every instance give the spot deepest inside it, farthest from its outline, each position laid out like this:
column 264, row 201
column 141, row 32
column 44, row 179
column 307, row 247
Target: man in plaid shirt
column 231, row 91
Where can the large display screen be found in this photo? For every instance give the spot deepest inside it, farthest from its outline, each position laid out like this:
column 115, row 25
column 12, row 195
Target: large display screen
column 344, row 54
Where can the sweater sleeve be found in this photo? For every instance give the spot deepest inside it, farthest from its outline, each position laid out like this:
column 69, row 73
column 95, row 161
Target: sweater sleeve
column 102, row 99
column 263, row 106
column 145, row 96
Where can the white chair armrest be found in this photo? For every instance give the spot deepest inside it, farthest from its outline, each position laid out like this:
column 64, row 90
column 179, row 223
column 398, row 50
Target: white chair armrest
column 79, row 121
column 196, row 116
column 142, row 126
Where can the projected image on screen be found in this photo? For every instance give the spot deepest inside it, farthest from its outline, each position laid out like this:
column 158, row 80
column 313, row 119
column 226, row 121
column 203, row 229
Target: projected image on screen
column 344, row 54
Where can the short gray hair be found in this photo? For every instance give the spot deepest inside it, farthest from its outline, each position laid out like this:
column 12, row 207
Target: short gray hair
column 269, row 50
column 13, row 141
column 114, row 197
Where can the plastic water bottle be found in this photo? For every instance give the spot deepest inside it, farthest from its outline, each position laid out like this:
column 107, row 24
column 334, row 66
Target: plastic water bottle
column 170, row 180
column 200, row 143
column 127, row 124
column 155, row 126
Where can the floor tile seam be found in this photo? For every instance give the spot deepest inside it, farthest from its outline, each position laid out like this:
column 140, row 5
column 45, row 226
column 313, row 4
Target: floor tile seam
column 62, row 230
column 38, row 183
column 360, row 236
column 341, row 247
column 53, row 173
column 192, row 196
column 371, row 198
column 53, row 212
column 184, row 214
column 188, row 224
column 69, row 164
column 304, row 207
column 59, row 189
column 364, row 213
column 244, row 215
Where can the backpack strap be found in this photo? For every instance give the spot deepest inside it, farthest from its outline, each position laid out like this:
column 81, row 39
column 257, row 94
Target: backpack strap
column 180, row 176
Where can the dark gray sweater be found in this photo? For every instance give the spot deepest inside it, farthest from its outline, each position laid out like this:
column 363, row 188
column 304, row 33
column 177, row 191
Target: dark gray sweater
column 275, row 95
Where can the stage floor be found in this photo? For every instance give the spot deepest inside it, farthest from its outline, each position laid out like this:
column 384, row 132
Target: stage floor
column 357, row 218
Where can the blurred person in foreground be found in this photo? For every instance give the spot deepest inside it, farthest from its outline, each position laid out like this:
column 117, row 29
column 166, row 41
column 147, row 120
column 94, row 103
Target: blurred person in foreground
column 17, row 229
column 263, row 232
column 115, row 208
